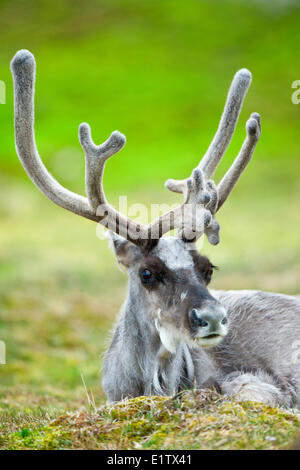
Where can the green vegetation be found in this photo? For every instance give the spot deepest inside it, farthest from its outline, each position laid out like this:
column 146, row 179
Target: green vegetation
column 159, row 72
column 190, row 420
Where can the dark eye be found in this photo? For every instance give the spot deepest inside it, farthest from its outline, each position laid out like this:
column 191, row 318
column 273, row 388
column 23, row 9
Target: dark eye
column 147, row 276
column 208, row 272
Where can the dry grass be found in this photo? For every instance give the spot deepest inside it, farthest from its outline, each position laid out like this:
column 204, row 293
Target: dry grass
column 190, row 420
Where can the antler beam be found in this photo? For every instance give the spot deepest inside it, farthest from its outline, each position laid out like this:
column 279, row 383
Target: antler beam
column 23, row 70
column 229, row 119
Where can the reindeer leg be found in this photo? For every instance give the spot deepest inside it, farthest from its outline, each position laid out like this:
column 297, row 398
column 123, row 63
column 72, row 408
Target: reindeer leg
column 258, row 387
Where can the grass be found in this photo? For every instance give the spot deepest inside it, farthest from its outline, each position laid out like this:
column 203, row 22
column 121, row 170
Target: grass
column 159, row 72
column 190, row 420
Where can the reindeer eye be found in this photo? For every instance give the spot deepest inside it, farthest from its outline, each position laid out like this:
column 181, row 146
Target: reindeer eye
column 209, row 272
column 147, row 277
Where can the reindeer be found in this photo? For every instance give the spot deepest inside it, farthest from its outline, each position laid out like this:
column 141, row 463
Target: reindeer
column 174, row 332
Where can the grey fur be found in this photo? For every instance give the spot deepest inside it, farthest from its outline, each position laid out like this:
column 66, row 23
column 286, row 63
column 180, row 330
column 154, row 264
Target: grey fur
column 222, row 138
column 139, row 361
column 257, row 360
column 253, row 129
column 23, row 70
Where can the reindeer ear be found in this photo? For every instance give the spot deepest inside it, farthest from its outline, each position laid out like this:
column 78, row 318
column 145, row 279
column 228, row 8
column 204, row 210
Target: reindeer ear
column 127, row 253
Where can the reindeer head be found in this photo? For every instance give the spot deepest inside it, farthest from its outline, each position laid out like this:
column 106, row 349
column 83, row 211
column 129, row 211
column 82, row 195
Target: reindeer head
column 170, row 283
column 167, row 273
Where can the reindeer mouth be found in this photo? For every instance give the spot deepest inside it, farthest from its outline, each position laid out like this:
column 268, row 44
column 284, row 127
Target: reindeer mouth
column 209, row 341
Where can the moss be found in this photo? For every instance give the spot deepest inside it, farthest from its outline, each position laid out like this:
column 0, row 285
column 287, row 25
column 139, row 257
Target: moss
column 46, row 438
column 190, row 420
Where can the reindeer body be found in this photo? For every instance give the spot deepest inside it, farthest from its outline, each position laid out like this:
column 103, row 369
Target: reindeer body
column 174, row 332
column 257, row 360
column 263, row 341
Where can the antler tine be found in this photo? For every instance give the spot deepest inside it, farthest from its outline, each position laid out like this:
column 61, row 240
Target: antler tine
column 177, row 186
column 191, row 218
column 23, row 70
column 222, row 138
column 253, row 129
column 95, row 157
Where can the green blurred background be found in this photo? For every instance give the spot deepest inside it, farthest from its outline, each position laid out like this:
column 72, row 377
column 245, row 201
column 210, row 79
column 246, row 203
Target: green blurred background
column 159, row 72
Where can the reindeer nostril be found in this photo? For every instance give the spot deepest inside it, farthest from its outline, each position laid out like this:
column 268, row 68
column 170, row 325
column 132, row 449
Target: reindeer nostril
column 196, row 320
column 224, row 321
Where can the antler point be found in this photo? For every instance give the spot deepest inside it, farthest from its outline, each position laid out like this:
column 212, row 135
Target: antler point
column 121, row 138
column 21, row 58
column 252, row 126
column 244, row 74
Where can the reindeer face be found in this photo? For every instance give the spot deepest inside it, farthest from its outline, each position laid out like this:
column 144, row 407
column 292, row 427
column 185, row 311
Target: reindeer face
column 172, row 281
